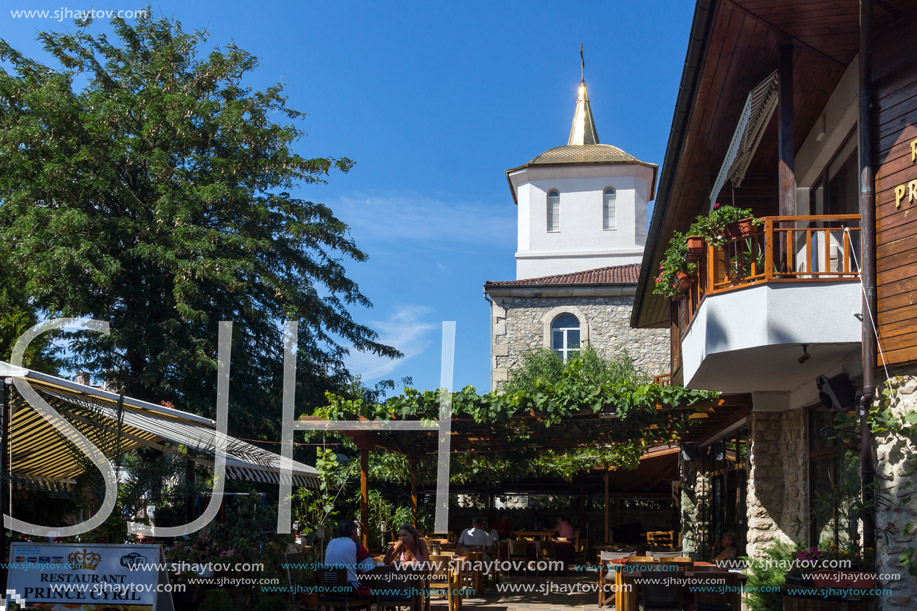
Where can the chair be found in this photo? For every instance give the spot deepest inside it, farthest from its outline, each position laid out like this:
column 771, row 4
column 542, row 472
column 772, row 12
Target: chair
column 661, row 538
column 715, row 601
column 334, row 595
column 666, row 554
column 517, row 550
column 444, row 577
column 608, row 574
column 546, row 551
column 394, row 600
column 661, row 597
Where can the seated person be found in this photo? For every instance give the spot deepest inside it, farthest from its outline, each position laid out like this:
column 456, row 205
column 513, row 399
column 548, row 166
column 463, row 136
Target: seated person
column 727, row 548
column 564, row 529
column 503, row 526
column 342, row 552
column 409, row 549
column 477, row 535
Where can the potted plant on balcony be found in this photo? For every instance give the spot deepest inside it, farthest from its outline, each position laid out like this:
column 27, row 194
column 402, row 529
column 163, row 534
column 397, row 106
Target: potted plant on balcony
column 695, row 247
column 724, row 223
column 675, row 270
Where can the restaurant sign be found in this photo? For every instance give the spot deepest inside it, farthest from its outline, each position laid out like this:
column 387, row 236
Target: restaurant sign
column 907, row 188
column 63, row 576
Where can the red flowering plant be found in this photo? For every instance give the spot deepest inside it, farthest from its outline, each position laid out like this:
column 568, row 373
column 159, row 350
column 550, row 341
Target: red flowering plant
column 830, row 556
column 673, row 266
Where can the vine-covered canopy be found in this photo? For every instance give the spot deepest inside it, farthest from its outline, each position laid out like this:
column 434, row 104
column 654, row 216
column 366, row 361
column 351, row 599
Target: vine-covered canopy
column 558, row 427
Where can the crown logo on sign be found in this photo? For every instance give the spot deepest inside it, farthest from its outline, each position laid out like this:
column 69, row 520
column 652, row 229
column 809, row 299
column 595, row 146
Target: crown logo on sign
column 86, row 559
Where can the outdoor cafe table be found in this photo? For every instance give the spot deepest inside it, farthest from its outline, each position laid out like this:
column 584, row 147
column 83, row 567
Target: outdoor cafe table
column 534, row 534
column 626, row 595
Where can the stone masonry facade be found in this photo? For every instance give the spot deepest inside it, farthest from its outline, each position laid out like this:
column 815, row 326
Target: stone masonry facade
column 521, row 319
column 896, row 511
column 777, row 481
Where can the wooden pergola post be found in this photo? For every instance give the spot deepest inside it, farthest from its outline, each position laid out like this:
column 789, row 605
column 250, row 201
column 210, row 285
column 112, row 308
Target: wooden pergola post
column 412, row 466
column 607, row 531
column 365, row 446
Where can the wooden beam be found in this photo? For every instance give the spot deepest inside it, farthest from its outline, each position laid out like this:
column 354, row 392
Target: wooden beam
column 412, row 465
column 364, row 495
column 786, row 167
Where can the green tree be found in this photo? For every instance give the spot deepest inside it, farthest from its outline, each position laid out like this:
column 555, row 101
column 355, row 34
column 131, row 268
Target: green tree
column 143, row 183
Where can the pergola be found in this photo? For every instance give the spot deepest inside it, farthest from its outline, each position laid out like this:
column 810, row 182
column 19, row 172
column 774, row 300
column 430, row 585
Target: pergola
column 582, row 430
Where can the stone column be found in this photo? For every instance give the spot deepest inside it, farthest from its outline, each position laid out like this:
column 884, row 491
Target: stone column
column 777, row 479
column 688, row 513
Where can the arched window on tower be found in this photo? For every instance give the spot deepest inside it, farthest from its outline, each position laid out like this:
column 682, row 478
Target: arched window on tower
column 565, row 336
column 553, row 211
column 608, row 209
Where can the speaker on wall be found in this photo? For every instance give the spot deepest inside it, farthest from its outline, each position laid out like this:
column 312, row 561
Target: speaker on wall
column 836, row 393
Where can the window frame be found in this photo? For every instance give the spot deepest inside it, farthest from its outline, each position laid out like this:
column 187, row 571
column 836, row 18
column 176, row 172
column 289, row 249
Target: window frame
column 614, row 209
column 564, row 350
column 553, row 194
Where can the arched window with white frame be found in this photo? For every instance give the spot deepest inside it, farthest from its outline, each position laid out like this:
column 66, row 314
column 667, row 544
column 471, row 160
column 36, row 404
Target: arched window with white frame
column 553, row 211
column 608, row 210
column 565, row 336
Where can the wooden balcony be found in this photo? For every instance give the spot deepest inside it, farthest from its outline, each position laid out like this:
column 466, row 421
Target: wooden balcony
column 783, row 249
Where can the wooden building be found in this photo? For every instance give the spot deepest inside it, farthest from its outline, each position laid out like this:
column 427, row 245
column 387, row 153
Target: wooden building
column 805, row 112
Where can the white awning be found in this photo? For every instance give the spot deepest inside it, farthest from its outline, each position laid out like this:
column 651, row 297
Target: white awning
column 760, row 105
column 40, row 454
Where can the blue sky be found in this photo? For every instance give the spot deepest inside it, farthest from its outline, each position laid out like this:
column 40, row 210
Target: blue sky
column 434, row 101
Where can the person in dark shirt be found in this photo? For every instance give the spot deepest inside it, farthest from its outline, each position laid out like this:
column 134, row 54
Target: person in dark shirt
column 503, row 526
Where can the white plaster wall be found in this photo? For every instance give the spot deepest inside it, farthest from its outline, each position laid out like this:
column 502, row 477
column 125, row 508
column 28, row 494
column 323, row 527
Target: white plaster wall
column 581, row 243
column 752, row 337
column 840, row 115
column 549, row 264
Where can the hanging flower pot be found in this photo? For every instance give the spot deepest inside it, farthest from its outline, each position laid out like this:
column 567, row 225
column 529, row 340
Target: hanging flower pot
column 741, row 229
column 695, row 248
column 682, row 282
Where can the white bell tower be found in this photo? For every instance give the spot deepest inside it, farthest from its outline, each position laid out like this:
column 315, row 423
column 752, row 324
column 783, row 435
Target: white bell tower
column 580, row 206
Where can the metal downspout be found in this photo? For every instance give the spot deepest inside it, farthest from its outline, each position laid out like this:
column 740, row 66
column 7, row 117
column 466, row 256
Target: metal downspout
column 868, row 271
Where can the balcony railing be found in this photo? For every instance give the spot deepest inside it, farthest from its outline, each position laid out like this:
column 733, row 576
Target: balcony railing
column 783, row 249
column 663, row 380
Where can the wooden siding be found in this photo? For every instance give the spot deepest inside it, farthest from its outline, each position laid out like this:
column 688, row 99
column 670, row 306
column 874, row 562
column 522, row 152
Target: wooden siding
column 895, row 91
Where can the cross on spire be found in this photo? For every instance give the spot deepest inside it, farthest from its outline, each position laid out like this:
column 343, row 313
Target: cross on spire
column 583, row 129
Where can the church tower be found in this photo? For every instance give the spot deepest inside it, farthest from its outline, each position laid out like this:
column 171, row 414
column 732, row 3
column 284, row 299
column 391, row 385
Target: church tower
column 582, row 211
column 582, row 205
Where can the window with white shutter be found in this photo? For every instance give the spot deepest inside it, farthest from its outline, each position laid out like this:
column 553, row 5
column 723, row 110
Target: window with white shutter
column 553, row 211
column 608, row 210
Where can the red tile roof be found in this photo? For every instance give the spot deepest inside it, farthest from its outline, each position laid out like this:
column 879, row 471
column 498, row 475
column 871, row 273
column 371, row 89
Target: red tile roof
column 617, row 274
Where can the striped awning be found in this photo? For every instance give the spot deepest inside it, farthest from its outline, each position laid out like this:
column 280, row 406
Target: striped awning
column 40, row 456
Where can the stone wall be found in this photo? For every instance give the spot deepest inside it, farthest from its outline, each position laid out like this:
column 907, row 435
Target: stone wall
column 897, row 507
column 519, row 319
column 688, row 506
column 777, row 481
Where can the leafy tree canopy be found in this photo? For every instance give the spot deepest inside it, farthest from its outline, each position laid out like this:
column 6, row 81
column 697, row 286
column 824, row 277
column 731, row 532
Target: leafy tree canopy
column 143, row 183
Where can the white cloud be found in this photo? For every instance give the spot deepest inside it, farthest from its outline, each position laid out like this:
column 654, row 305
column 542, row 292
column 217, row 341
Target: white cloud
column 406, row 330
column 412, row 217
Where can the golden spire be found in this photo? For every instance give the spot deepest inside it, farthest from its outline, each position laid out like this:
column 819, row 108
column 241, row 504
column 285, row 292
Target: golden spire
column 583, row 129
